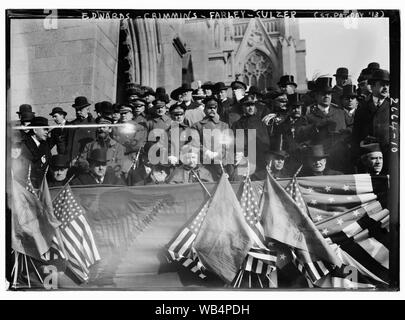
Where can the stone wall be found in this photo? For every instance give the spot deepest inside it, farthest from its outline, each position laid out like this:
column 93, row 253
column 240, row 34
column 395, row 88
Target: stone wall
column 50, row 67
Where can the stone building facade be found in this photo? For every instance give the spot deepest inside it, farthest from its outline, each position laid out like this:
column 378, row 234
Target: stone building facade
column 50, row 66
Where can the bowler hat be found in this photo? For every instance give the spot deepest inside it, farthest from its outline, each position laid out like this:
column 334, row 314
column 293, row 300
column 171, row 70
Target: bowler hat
column 286, row 80
column 208, row 85
column 24, row 108
column 342, row 72
column 27, row 116
column 220, row 86
column 39, row 122
column 174, row 95
column 59, row 161
column 98, row 155
column 294, row 100
column 349, row 91
column 380, row 75
column 58, row 110
column 80, row 103
column 316, row 151
column 276, row 146
column 106, row 107
column 238, row 85
column 373, row 66
column 323, row 84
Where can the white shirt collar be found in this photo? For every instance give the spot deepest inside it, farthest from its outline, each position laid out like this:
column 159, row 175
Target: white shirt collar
column 323, row 109
column 377, row 101
column 37, row 142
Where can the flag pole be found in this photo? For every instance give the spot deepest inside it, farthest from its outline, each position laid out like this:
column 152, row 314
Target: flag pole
column 70, row 179
column 199, row 180
column 299, row 170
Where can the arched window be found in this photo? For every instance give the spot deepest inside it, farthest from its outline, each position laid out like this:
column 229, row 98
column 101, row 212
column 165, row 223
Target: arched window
column 258, row 70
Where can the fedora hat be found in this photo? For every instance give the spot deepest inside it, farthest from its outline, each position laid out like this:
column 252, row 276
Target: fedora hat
column 80, row 103
column 27, row 116
column 98, row 155
column 323, row 84
column 342, row 72
column 174, row 95
column 349, row 91
column 59, row 161
column 380, row 75
column 316, row 151
column 58, row 110
column 276, row 146
column 24, row 108
column 185, row 87
column 220, row 86
column 286, row 80
column 39, row 122
column 238, row 85
column 248, row 100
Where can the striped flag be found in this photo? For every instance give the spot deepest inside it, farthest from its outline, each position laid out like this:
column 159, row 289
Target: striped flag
column 259, row 260
column 76, row 234
column 181, row 247
column 294, row 191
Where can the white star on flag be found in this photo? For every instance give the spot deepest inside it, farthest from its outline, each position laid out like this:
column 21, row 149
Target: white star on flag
column 309, row 190
column 331, row 200
column 356, row 213
column 346, row 187
column 325, row 231
column 328, row 188
column 339, row 222
column 282, row 256
column 318, row 218
column 313, row 201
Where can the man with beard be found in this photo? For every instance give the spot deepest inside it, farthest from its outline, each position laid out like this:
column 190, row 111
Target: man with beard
column 58, row 173
column 114, row 150
column 316, row 163
column 79, row 137
column 372, row 116
column 98, row 173
column 59, row 136
column 35, row 150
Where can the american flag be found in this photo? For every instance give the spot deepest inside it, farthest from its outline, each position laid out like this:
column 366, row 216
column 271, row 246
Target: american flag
column 181, row 248
column 76, row 234
column 294, row 191
column 259, row 259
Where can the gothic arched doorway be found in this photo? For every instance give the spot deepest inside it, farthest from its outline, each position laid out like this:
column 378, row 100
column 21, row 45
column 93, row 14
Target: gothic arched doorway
column 257, row 70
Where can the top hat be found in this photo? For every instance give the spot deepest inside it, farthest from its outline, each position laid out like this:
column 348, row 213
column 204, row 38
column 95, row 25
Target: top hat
column 24, row 108
column 98, row 155
column 248, row 100
column 342, row 72
column 220, row 86
column 373, row 66
column 58, row 110
column 276, row 146
column 380, row 75
column 238, row 85
column 80, row 103
column 316, row 151
column 174, row 95
column 59, row 161
column 106, row 107
column 27, row 116
column 286, row 80
column 208, row 85
column 323, row 84
column 349, row 91
column 254, row 90
column 293, row 100
column 163, row 97
column 39, row 122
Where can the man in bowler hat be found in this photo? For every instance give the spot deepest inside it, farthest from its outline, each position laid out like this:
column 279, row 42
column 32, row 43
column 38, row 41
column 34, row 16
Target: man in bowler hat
column 342, row 78
column 287, row 84
column 58, row 173
column 316, row 162
column 59, row 137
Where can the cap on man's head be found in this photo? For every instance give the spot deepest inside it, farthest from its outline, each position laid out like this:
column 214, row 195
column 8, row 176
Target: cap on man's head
column 177, row 108
column 104, row 120
column 248, row 100
column 98, row 156
column 238, row 85
column 80, row 103
column 24, row 108
column 59, row 161
column 125, row 109
column 210, row 102
column 138, row 102
column 58, row 110
column 159, row 103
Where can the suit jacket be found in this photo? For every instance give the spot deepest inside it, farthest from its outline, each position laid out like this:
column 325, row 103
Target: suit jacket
column 37, row 157
column 181, row 174
column 79, row 137
column 224, row 107
column 89, row 178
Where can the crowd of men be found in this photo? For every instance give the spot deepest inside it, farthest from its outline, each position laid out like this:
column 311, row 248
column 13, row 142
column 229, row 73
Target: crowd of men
column 329, row 130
